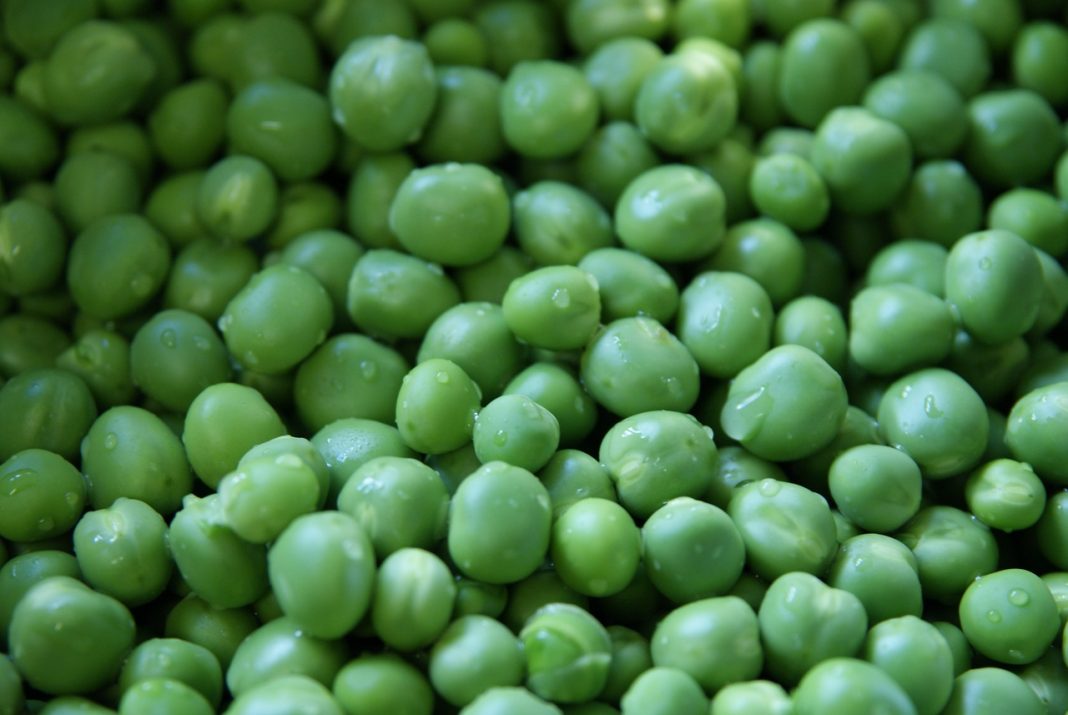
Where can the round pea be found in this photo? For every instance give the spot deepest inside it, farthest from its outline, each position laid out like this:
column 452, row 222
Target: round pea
column 517, row 430
column 237, row 198
column 941, row 203
column 843, row 685
column 548, row 109
column 555, row 223
column 468, row 97
column 33, row 246
column 878, row 488
column 950, row 48
column 219, row 630
column 613, row 156
column 1014, row 137
column 786, row 187
column 267, row 493
column 913, row 653
column 436, row 407
column 596, row 547
column 926, row 106
column 187, row 124
column 556, row 308
column 616, row 70
column 515, row 701
column 473, row 655
column 156, row 696
column 41, row 495
column 175, row 659
column 1006, row 495
column 382, row 684
column 985, row 691
column 664, row 691
column 952, row 549
column 44, row 409
column 1009, row 616
column 882, row 573
column 631, row 284
column 556, row 388
column 753, row 697
column 567, row 652
column 1039, row 55
column 102, row 359
column 593, row 22
column 725, row 321
column 766, row 251
column 281, row 648
column 283, row 694
column 687, row 102
column 824, row 65
column 413, row 599
column 174, row 356
column 897, row 328
column 1032, row 427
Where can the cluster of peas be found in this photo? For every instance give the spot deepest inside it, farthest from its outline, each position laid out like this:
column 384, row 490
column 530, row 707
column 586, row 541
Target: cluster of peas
column 518, row 357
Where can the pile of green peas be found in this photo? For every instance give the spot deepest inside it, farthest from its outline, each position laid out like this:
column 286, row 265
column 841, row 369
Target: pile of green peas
column 533, row 357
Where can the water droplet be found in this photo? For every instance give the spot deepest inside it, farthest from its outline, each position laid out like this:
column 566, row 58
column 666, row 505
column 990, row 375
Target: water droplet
column 46, row 523
column 500, row 438
column 168, row 338
column 985, row 263
column 930, row 407
column 141, row 284
column 71, row 498
column 20, row 481
column 111, row 440
column 201, row 343
column 442, row 377
column 751, row 411
column 1019, row 597
column 369, row 370
column 993, row 616
column 769, row 487
column 561, row 298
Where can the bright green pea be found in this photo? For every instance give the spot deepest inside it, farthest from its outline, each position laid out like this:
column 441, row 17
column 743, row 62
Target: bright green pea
column 436, row 407
column 398, row 295
column 348, row 376
column 517, row 430
column 1035, row 216
column 897, row 328
column 616, row 71
column 842, row 685
column 264, row 495
column 499, row 524
column 284, row 694
column 548, row 109
column 631, row 284
column 42, row 495
column 1009, row 616
column 514, row 701
column 882, row 573
column 453, row 214
column 102, row 359
column 398, row 501
column 986, row 691
column 116, row 266
column 122, row 551
column 913, row 653
column 715, row 640
column 374, row 184
column 878, row 488
column 465, row 125
column 786, row 188
column 21, row 572
column 473, row 655
column 468, row 331
column 753, row 697
column 1014, row 137
column 158, row 696
column 768, row 252
column 282, row 648
column 321, row 570
column 216, row 563
column 926, row 106
column 1006, row 495
column 348, row 443
column 1039, row 55
column 175, row 355
column 658, row 455
column 556, row 308
column 571, row 476
column 725, row 321
column 237, row 198
column 382, row 90
column 46, row 409
column 613, row 156
column 824, row 65
column 950, row 48
column 735, row 467
column 881, row 29
column 952, row 549
column 171, row 208
column 918, row 263
column 382, row 685
column 175, row 659
column 1032, row 427
column 556, row 223
column 958, row 646
column 814, row 323
column 33, row 247
column 567, row 653
column 664, row 691
column 219, row 630
column 596, row 547
column 455, row 41
column 413, row 599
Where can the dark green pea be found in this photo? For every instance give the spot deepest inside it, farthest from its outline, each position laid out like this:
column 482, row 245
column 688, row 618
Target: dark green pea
column 273, row 44
column 950, row 48
column 374, row 184
column 725, row 321
column 456, row 41
column 1009, row 616
column 1014, row 137
column 219, row 630
column 1031, row 429
column 33, row 247
column 613, row 156
column 816, row 324
column 321, row 570
column 171, row 208
column 488, row 281
column 664, row 691
column 20, row 573
column 468, row 98
column 730, row 163
column 304, row 207
column 42, row 495
column 237, row 198
column 102, row 359
column 952, row 549
column 380, row 685
column 1035, row 216
column 206, row 275
column 958, row 646
column 47, row 409
column 878, row 488
column 218, row 566
column 116, row 266
column 993, row 370
column 630, row 658
column 1046, row 677
column 926, row 106
column 735, row 467
column 517, row 30
column 760, row 105
column 284, row 694
column 36, row 148
column 398, row 295
column 474, row 654
column 768, row 252
column 130, row 452
column 998, row 21
column 616, row 71
column 468, row 331
column 548, row 109
column 499, row 524
column 843, row 685
column 436, row 407
column 281, row 648
column 29, row 343
column 187, row 125
column 824, row 271
column 330, row 256
column 1039, row 54
column 882, row 573
column 122, row 551
column 97, row 72
column 857, row 428
column 175, row 355
column 12, row 698
column 339, row 26
column 824, row 65
column 94, row 184
column 32, row 28
column 478, row 598
column 413, row 599
column 899, row 327
column 175, row 659
column 567, row 653
column 157, row 696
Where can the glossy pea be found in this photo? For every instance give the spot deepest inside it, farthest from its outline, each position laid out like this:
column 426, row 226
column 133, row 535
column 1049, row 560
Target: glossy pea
column 1030, row 429
column 413, row 599
column 102, row 359
column 46, row 409
column 1009, row 616
column 567, row 653
column 613, row 156
column 896, row 328
column 768, row 252
column 1013, row 137
column 841, row 685
column 631, row 284
column 237, row 198
column 436, row 407
column 725, row 320
column 41, row 495
column 467, row 331
column 219, row 630
column 659, row 691
column 952, row 549
column 21, row 572
column 281, row 648
column 596, row 547
column 396, row 295
column 381, row 684
column 913, row 653
column 175, row 659
column 985, row 691
column 162, row 695
column 280, row 695
column 473, row 655
column 548, row 109
column 1005, row 494
column 941, row 203
column 33, row 245
column 881, row 572
column 175, row 355
column 814, row 52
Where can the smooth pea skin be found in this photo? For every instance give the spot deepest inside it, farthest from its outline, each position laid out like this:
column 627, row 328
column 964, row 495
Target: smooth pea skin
column 283, row 695
column 571, row 476
column 568, row 653
column 952, row 549
column 282, row 648
column 715, row 640
column 122, row 551
column 1005, row 494
column 396, row 295
column 1014, row 137
column 916, row 655
column 474, row 654
column 616, row 71
column 556, row 308
column 216, row 563
column 557, row 223
column 656, row 456
column 786, row 405
column 436, row 407
column 786, row 187
column 382, row 90
column 664, row 691
column 499, row 524
column 265, row 494
column 753, row 697
column 175, row 355
column 85, row 652
column 882, row 573
column 631, row 284
column 32, row 248
column 206, row 275
column 987, row 691
column 44, row 409
column 803, row 622
column 1009, row 616
column 468, row 331
column 321, row 571
column 556, row 388
column 846, row 685
column 548, row 109
column 725, row 320
column 414, row 593
column 824, row 65
column 467, row 96
column 672, row 213
column 692, row 550
column 517, row 430
column 23, row 572
column 42, row 495
column 596, row 547
column 382, row 685
column 348, row 443
column 12, row 698
column 159, row 696
column 238, row 198
column 936, row 418
column 174, row 659
column 926, row 106
column 1033, row 428
column 876, row 487
column 785, row 527
column 941, row 203
column 277, row 319
column 219, row 630
column 514, row 701
column 897, row 328
column 635, row 365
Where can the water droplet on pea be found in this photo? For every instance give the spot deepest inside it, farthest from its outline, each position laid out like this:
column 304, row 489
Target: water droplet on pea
column 561, row 298
column 769, row 487
column 111, row 440
column 46, row 523
column 369, row 370
column 201, row 343
column 168, row 338
column 500, row 438
column 71, row 498
column 993, row 616
column 20, row 481
column 1019, row 597
column 442, row 377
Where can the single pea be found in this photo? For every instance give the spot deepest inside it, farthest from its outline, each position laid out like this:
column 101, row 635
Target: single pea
column 881, row 572
column 1045, row 677
column 897, row 328
column 596, row 547
column 753, row 697
column 37, row 149
column 304, row 207
column 283, row 694
column 539, row 589
column 997, row 20
column 572, row 476
column 1035, row 216
column 238, row 198
column 880, row 28
column 499, row 524
column 371, row 191
column 45, row 409
column 555, row 388
column 175, row 355
column 12, row 697
column 913, row 653
column 664, row 691
column 761, row 107
column 488, row 281
column 122, row 551
column 1054, row 302
column 116, row 266
column 187, row 125
column 515, row 701
column 468, row 97
column 23, row 571
column 876, row 487
column 382, row 684
column 917, row 263
column 614, row 155
column 556, row 223
column 382, row 91
column 814, row 323
column 1009, row 616
column 364, row 18
column 950, row 48
column 592, row 23
column 857, row 428
column 265, row 494
column 1032, row 424
column 281, row 648
column 786, row 187
column 567, row 653
column 958, row 645
column 941, row 203
column 398, row 501
column 631, row 284
column 219, row 567
column 725, row 320
column 219, row 630
column 517, row 430
column 102, row 359
column 952, row 549
column 171, row 207
column 557, row 307
column 455, row 41
column 735, row 467
column 986, row 691
column 768, row 252
column 28, row 342
column 936, row 418
column 1039, row 54
column 156, row 696
column 1014, row 137
column 125, row 139
column 42, row 495
column 731, row 164
column 548, row 109
column 842, row 685
column 33, row 247
column 436, row 407
column 1057, row 582
column 478, row 598
column 926, row 106
column 616, row 71
column 174, row 659
column 413, row 599
column 824, row 65
column 1006, row 495
column 473, row 655
column 330, row 256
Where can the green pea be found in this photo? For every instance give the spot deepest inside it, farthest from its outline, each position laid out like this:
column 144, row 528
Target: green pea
column 175, row 355
column 94, row 184
column 595, row 547
column 456, row 41
column 958, row 645
column 766, row 251
column 844, row 685
column 413, row 599
column 593, row 23
column 824, row 65
column 725, row 321
column 1031, row 425
column 567, row 653
column 374, row 184
column 265, row 494
column 21, row 572
column 952, row 549
column 1009, row 616
column 1014, row 137
column 613, row 156
column 29, row 343
column 786, row 187
column 468, row 97
column 33, row 247
column 917, row 263
column 116, row 266
column 630, row 658
column 489, row 280
column 715, row 640
column 823, row 271
column 478, row 598
column 1035, row 216
column 74, row 705
column 163, row 695
column 516, row 701
column 175, row 659
column 998, row 21
column 725, row 20
column 383, row 91
column 571, row 476
column 880, row 28
column 473, row 655
column 926, row 106
column 37, row 148
column 517, row 430
column 1045, row 677
column 917, row 657
column 219, row 630
column 753, row 697
column 436, row 407
column 1039, row 54
column 876, row 487
column 187, row 125
column 499, row 524
column 42, row 495
column 33, row 28
column 882, row 573
column 557, row 308
column 398, row 295
column 171, row 208
column 950, row 48
column 734, row 467
column 616, row 71
column 216, row 563
column 45, row 409
column 237, row 199
column 12, row 698
column 664, row 691
column 897, row 328
column 814, row 323
column 985, row 691
column 1006, row 495
column 382, row 684
column 548, row 109
column 125, row 139
column 281, row 648
column 631, row 284
column 453, row 214
column 305, row 207
column 328, row 255
column 556, row 223
column 95, row 634
column 348, row 443
column 283, row 694
column 102, row 359
column 339, row 26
